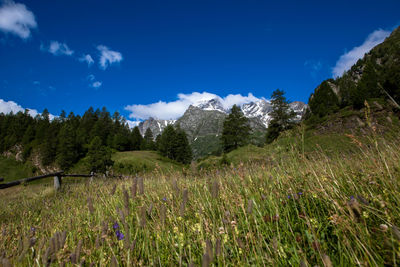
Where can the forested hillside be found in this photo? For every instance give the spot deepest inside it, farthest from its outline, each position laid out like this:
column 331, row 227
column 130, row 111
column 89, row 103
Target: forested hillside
column 375, row 76
column 65, row 139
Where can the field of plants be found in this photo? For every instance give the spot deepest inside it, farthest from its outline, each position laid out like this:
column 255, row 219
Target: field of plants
column 337, row 209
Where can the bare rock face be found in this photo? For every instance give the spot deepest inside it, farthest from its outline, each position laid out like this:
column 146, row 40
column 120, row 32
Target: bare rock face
column 207, row 117
column 156, row 126
column 197, row 122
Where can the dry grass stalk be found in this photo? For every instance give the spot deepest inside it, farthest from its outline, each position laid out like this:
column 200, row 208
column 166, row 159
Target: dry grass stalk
column 143, row 216
column 250, row 205
column 114, row 188
column 141, row 185
column 134, row 188
column 90, row 205
column 184, row 201
column 114, row 262
column 326, row 260
column 217, row 247
column 163, row 213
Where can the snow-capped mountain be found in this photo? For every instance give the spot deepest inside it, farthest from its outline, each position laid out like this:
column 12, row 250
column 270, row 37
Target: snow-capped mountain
column 259, row 110
column 206, row 117
column 213, row 104
column 156, row 126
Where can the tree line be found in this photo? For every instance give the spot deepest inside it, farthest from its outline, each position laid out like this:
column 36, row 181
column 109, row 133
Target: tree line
column 236, row 129
column 65, row 140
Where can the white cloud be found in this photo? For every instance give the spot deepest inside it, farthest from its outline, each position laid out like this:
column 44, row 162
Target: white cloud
column 96, row 84
column 88, row 59
column 7, row 107
column 175, row 109
column 10, row 106
column 350, row 58
column 91, row 77
column 108, row 57
column 16, row 19
column 56, row 48
column 93, row 82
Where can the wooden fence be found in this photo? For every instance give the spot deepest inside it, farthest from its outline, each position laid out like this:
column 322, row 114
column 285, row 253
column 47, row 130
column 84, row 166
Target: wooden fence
column 57, row 179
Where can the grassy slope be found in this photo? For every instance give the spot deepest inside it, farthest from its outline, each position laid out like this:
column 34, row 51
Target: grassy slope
column 344, row 208
column 131, row 162
column 305, row 198
column 10, row 169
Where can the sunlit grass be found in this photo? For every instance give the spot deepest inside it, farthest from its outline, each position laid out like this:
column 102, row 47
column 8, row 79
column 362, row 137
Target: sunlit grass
column 289, row 210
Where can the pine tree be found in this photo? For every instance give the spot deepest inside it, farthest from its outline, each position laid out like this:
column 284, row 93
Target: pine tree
column 235, row 131
column 148, row 141
column 324, row 101
column 67, row 151
column 99, row 156
column 182, row 150
column 282, row 116
column 136, row 138
column 167, row 139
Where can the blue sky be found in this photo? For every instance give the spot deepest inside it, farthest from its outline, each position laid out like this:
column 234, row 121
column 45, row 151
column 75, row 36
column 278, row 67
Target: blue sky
column 75, row 54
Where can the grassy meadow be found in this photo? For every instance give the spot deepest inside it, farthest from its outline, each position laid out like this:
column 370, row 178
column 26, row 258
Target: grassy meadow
column 318, row 208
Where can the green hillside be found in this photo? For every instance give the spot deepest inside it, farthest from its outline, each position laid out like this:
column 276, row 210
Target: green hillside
column 10, row 169
column 132, row 162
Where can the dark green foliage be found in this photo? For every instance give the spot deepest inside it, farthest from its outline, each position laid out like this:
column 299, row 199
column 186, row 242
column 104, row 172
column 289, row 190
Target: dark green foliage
column 65, row 140
column 183, row 151
column 67, row 152
column 148, row 141
column 324, row 101
column 282, row 116
column 173, row 144
column 136, row 139
column 236, row 130
column 99, row 156
column 376, row 75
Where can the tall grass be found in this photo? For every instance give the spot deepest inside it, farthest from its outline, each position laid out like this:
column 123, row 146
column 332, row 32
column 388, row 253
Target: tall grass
column 321, row 210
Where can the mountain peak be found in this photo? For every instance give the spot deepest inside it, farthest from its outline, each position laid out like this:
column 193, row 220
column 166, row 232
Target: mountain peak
column 212, row 104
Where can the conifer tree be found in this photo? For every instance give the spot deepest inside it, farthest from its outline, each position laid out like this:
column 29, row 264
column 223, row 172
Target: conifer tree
column 136, row 138
column 148, row 141
column 235, row 131
column 67, row 152
column 99, row 156
column 166, row 142
column 282, row 116
column 183, row 151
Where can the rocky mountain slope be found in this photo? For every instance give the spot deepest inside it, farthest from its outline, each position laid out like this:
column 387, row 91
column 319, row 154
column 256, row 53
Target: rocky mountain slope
column 375, row 76
column 207, row 117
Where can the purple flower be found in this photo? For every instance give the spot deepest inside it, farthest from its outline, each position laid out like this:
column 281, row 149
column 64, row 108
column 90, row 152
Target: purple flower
column 116, row 226
column 351, row 197
column 119, row 235
column 300, row 193
column 33, row 229
column 289, row 196
column 164, row 199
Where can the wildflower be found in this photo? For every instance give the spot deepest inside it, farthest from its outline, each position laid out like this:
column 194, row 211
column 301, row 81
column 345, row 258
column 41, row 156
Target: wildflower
column 289, row 196
column 300, row 193
column 116, row 226
column 164, row 199
column 221, row 230
column 33, row 229
column 119, row 235
column 383, row 227
column 233, row 223
column 365, row 215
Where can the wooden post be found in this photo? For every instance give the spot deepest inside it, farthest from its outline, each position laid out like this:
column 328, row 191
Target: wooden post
column 57, row 182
